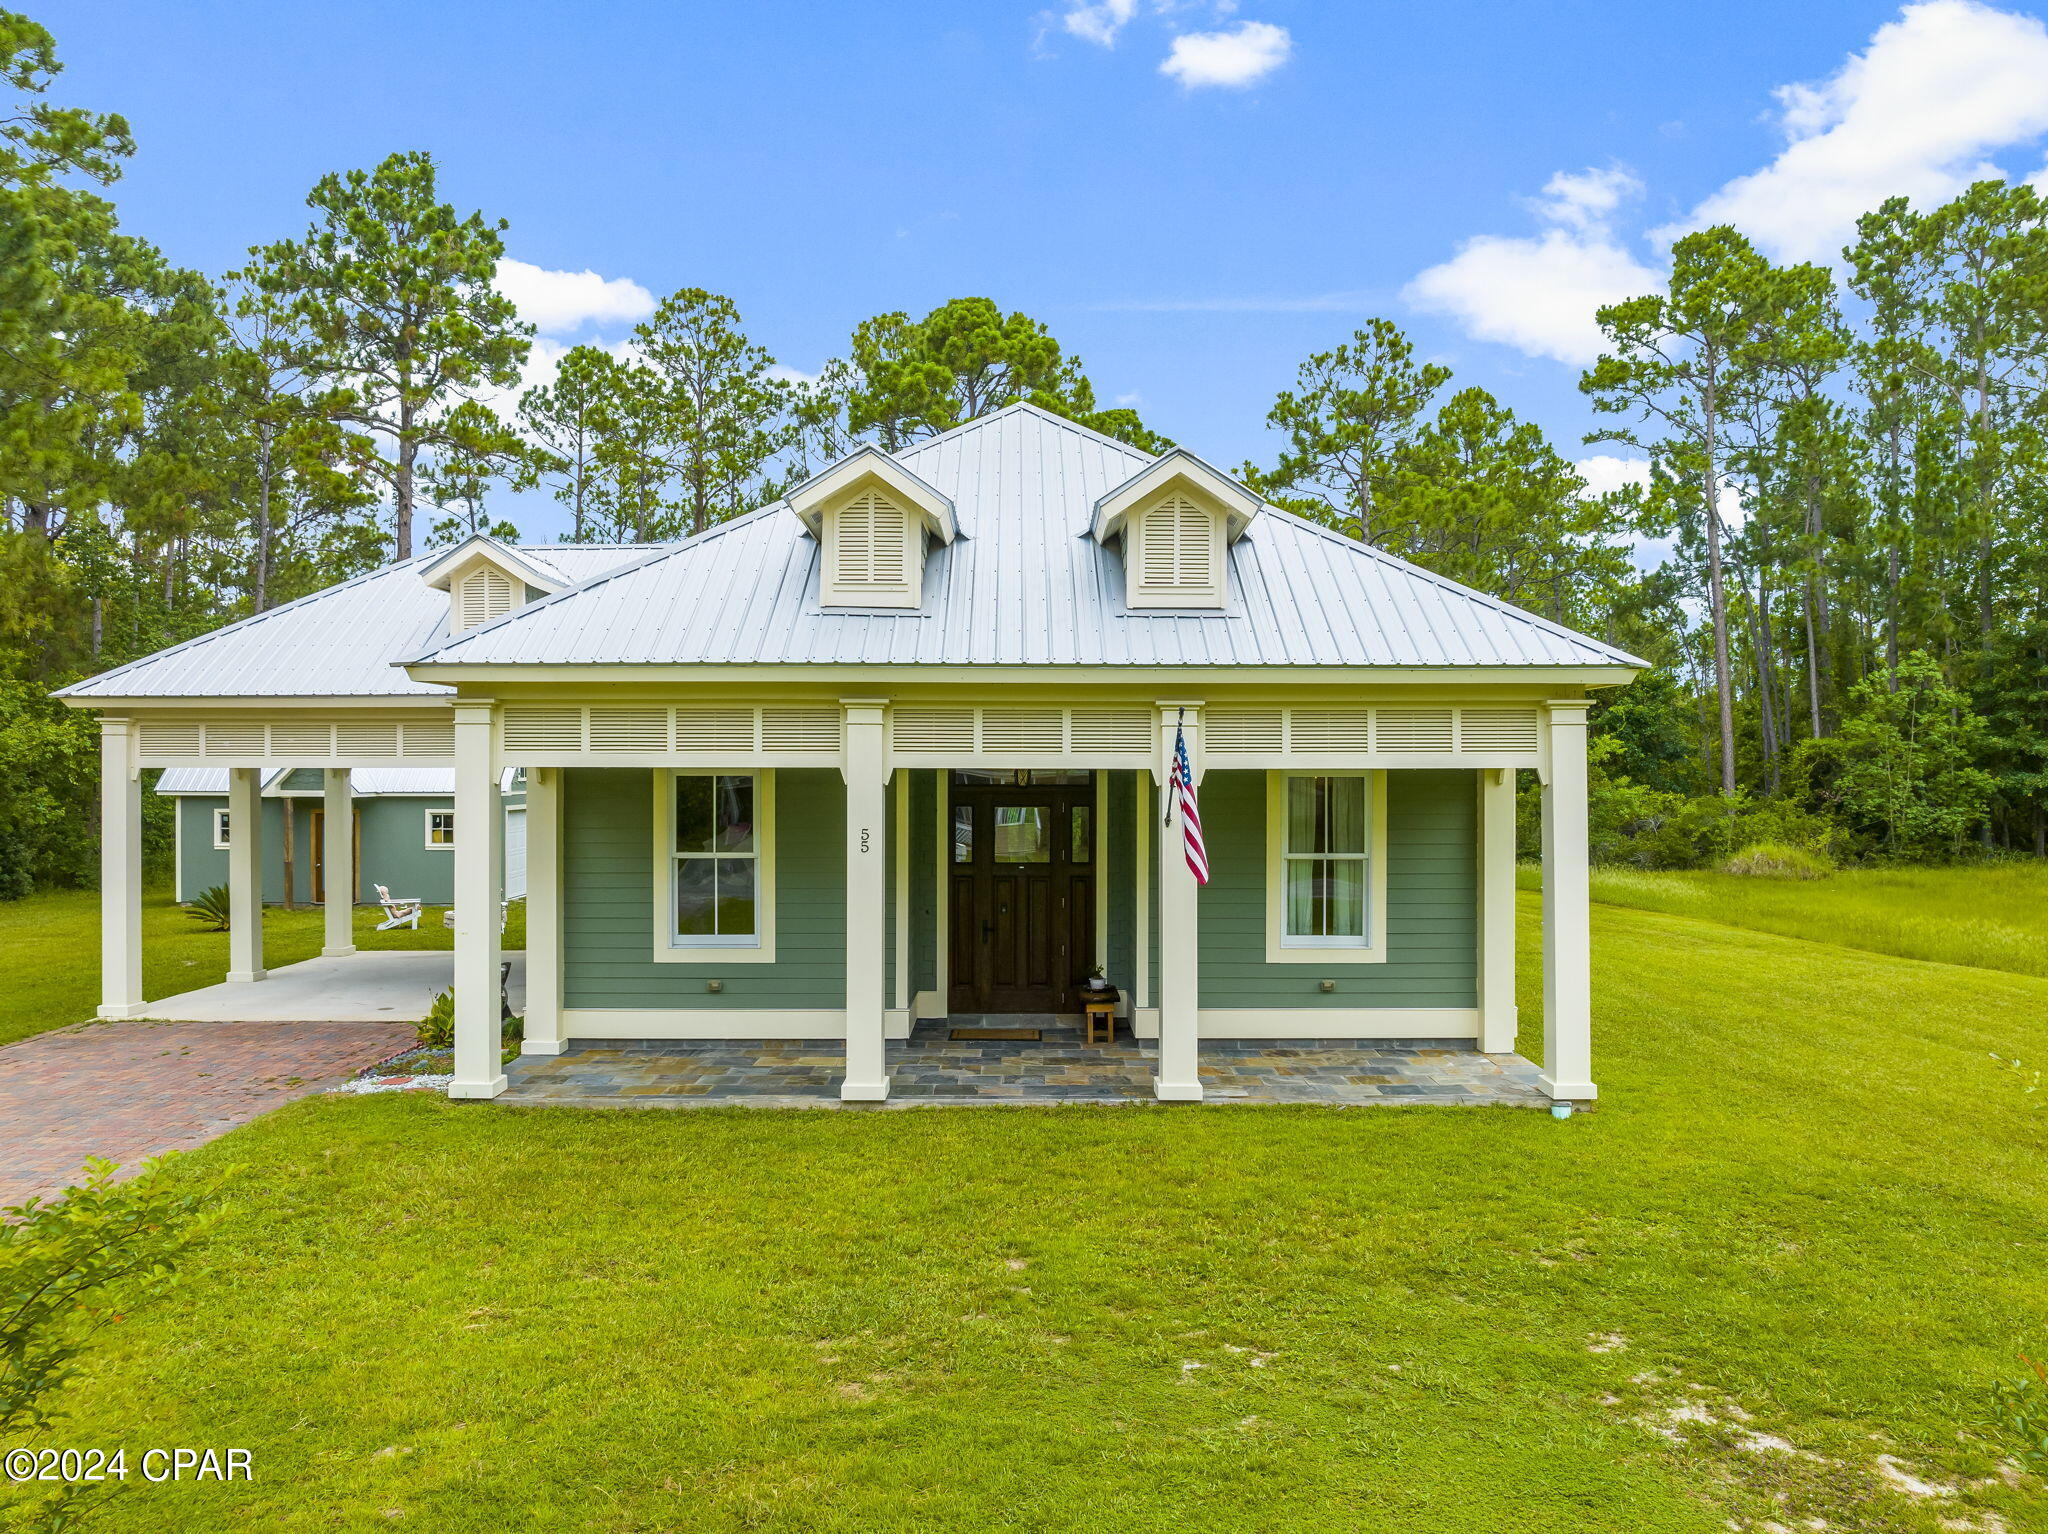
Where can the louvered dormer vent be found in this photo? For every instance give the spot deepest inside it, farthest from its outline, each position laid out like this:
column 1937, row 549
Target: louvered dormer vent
column 1179, row 551
column 483, row 594
column 874, row 553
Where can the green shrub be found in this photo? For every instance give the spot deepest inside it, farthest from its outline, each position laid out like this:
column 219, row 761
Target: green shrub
column 2021, row 1408
column 1779, row 860
column 210, row 906
column 437, row 1029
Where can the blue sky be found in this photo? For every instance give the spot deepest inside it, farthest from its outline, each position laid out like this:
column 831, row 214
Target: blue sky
column 1193, row 195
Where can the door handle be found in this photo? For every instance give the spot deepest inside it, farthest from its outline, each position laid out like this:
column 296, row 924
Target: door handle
column 987, row 930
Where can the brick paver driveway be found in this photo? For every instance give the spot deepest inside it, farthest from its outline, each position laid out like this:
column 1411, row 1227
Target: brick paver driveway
column 129, row 1090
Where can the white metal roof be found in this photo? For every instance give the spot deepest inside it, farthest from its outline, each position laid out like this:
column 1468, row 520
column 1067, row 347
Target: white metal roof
column 1025, row 584
column 367, row 782
column 340, row 642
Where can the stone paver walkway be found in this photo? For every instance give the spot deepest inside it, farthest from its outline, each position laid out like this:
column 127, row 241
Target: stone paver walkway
column 136, row 1089
column 933, row 1068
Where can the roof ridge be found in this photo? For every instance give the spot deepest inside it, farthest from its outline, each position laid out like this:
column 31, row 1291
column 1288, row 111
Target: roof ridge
column 1432, row 577
column 1026, row 407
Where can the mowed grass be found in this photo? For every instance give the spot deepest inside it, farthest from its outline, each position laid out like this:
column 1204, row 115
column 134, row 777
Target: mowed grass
column 50, row 974
column 1808, row 1195
column 1991, row 915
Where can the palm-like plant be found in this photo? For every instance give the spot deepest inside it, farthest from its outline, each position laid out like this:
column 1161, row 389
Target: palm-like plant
column 210, row 906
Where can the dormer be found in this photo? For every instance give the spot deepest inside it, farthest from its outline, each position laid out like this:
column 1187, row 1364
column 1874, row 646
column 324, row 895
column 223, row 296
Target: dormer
column 874, row 521
column 486, row 579
column 1177, row 518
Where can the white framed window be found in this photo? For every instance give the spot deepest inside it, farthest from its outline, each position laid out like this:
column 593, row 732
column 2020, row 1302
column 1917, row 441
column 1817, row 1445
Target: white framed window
column 714, row 867
column 1326, row 867
column 440, row 830
column 220, row 830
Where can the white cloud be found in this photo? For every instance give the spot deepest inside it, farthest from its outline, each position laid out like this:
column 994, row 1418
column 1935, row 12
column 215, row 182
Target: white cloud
column 1539, row 294
column 1605, row 473
column 1912, row 115
column 1239, row 57
column 556, row 303
column 1099, row 22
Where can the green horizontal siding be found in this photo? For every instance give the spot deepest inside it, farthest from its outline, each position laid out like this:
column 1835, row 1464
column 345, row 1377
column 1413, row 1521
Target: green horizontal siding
column 608, row 872
column 1432, row 901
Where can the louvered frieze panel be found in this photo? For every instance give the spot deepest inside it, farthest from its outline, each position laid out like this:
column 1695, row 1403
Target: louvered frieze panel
column 1414, row 729
column 543, row 729
column 942, row 734
column 800, row 730
column 717, row 729
column 564, row 734
column 296, row 740
column 635, row 730
column 1247, row 734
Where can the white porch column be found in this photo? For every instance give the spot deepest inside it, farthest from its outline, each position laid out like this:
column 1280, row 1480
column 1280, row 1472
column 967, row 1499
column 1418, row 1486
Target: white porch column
column 1497, row 911
column 867, row 890
column 338, row 864
column 1178, row 983
column 245, row 873
column 1567, row 917
column 543, row 912
column 120, row 872
column 479, row 1036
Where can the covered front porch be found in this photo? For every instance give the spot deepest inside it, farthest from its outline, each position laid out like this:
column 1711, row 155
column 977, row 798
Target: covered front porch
column 933, row 1068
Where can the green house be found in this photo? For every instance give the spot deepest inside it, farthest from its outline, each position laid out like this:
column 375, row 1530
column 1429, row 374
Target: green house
column 402, row 824
column 938, row 735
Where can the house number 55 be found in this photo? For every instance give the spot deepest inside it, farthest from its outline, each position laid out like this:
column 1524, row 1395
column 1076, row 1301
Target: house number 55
column 867, row 839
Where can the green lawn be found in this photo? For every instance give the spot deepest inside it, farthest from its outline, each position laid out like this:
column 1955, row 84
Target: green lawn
column 1994, row 916
column 51, row 971
column 1808, row 1196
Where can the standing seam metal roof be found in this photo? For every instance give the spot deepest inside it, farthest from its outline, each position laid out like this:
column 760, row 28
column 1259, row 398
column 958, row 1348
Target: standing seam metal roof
column 341, row 642
column 1024, row 585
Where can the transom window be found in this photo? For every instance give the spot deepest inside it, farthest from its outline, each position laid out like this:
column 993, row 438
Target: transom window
column 440, row 828
column 1324, row 854
column 716, row 860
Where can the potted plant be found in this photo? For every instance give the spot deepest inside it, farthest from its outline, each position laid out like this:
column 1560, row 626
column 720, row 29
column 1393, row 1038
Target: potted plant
column 1097, row 986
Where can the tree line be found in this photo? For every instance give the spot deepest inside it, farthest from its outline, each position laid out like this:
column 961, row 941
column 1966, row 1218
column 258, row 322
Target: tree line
column 1843, row 498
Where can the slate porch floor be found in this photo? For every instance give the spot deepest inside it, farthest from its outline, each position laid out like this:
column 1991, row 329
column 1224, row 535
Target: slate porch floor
column 931, row 1068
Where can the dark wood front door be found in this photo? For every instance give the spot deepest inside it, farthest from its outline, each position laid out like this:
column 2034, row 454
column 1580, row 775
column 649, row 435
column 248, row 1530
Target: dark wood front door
column 1021, row 890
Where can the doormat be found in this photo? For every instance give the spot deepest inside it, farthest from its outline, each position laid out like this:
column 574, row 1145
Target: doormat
column 990, row 1035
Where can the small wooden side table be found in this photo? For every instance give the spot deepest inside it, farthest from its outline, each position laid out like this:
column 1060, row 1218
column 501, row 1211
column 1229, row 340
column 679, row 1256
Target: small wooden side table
column 1094, row 1013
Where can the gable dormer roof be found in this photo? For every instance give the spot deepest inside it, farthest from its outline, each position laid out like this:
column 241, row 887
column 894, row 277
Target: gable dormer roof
column 442, row 570
column 1172, row 468
column 809, row 499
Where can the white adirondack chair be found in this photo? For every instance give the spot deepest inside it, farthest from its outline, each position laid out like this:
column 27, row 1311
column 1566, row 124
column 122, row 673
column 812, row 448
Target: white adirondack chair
column 399, row 911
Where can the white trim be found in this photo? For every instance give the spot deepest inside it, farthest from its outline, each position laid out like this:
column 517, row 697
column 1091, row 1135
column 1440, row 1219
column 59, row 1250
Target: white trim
column 427, row 830
column 1496, row 839
column 1280, row 949
column 926, row 1004
column 543, row 1033
column 1339, row 1022
column 703, row 1023
column 220, row 828
column 666, row 949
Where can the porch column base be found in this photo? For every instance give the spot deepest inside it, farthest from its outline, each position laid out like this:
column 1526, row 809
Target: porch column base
column 337, row 953
column 115, row 1014
column 864, row 1091
column 240, row 976
column 1176, row 1091
column 539, row 1047
column 477, row 1089
column 1568, row 1091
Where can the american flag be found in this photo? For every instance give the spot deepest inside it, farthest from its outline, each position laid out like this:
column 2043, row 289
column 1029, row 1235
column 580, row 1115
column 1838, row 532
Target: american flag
column 1182, row 792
